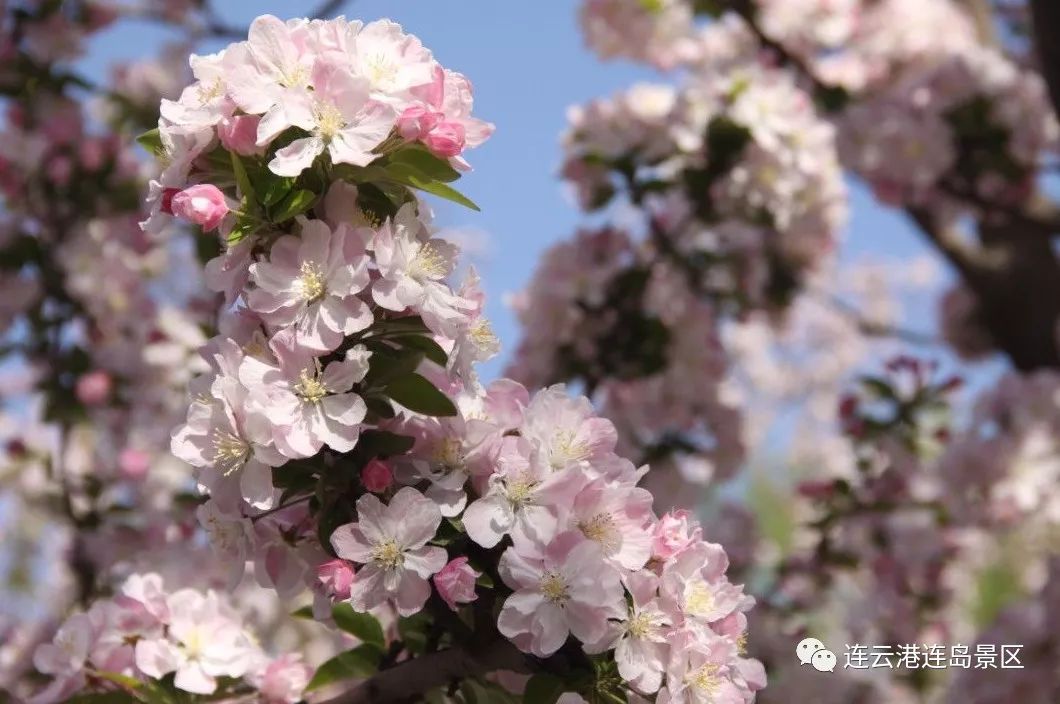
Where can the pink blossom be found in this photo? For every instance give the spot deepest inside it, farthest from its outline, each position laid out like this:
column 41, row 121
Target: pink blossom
column 616, row 517
column 203, row 205
column 674, row 533
column 340, row 117
column 311, row 282
column 239, row 134
column 203, row 643
column 456, row 582
column 376, row 476
column 305, row 404
column 570, row 590
column 413, row 268
column 391, row 542
column 283, row 680
column 335, row 577
column 134, row 463
column 416, row 122
column 94, row 388
column 447, row 139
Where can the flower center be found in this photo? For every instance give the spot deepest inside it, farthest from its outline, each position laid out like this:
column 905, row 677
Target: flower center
column 388, row 554
column 381, row 71
column 705, row 679
column 193, row 644
column 229, row 451
column 699, row 600
column 309, row 388
column 211, row 90
column 329, row 119
column 640, row 625
column 428, row 264
column 554, row 588
column 520, row 491
column 311, row 281
column 449, row 453
column 566, row 449
column 601, row 529
column 294, row 77
column 481, row 334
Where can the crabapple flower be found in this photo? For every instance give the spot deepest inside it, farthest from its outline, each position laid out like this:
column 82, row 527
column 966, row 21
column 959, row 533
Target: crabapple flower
column 270, row 69
column 376, row 476
column 413, row 270
column 616, row 517
column 339, row 116
column 311, row 283
column 456, row 582
column 567, row 428
column 520, row 498
column 392, row 61
column 68, row 651
column 335, row 577
column 570, row 590
column 203, row 204
column 642, row 649
column 239, row 134
column 695, row 588
column 94, row 388
column 674, row 533
column 283, row 680
column 306, row 405
column 203, row 643
column 391, row 542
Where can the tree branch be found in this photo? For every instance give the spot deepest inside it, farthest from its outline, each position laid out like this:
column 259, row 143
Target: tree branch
column 1045, row 16
column 408, row 680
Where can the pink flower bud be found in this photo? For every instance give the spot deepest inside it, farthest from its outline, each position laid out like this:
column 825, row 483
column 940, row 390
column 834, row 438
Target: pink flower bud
column 203, row 205
column 334, row 579
column 134, row 463
column 456, row 582
column 167, row 200
column 239, row 134
column 416, row 121
column 446, row 139
column 377, row 477
column 93, row 388
column 674, row 533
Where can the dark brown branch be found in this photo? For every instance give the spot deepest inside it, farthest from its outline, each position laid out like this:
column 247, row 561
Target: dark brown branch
column 408, row 680
column 1045, row 15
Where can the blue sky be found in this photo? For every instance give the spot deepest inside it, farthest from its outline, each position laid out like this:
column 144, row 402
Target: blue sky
column 528, row 64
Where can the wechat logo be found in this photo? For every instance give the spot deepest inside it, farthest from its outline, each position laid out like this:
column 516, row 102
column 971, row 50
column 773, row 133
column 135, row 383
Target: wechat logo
column 811, row 651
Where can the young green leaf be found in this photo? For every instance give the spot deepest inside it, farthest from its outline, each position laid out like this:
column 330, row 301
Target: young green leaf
column 362, row 625
column 151, row 140
column 246, row 189
column 294, row 204
column 543, row 689
column 420, row 159
column 362, row 661
column 417, row 394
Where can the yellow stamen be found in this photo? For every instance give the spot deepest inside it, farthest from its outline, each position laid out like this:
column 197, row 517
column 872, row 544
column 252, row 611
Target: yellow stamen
column 388, row 554
column 554, row 588
column 311, row 282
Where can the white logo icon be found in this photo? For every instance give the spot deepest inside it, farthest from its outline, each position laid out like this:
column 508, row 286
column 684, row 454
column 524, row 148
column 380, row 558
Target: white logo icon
column 806, row 648
column 823, row 661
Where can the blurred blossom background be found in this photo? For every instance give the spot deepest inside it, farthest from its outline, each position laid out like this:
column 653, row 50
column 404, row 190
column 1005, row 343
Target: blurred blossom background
column 799, row 252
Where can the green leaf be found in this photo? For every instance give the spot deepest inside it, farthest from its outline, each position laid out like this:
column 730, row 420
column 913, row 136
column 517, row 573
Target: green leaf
column 243, row 227
column 413, row 631
column 418, row 158
column 388, row 364
column 362, row 661
column 431, row 349
column 543, row 689
column 246, row 189
column 306, row 612
column 362, row 625
column 294, row 204
column 383, row 443
column 151, row 140
column 439, row 189
column 276, row 189
column 417, row 394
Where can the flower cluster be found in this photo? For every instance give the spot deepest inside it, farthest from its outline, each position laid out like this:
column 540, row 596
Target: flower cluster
column 341, row 433
column 146, row 632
